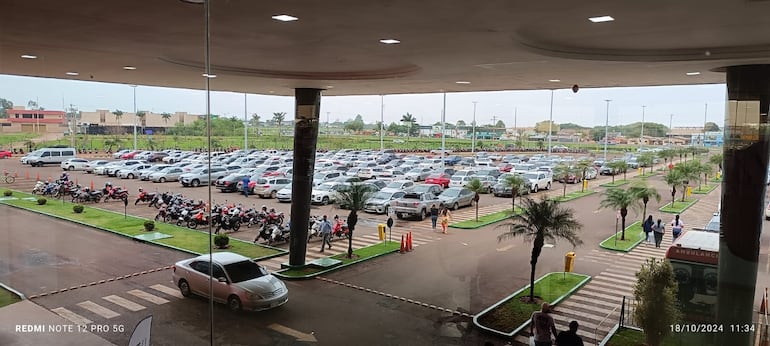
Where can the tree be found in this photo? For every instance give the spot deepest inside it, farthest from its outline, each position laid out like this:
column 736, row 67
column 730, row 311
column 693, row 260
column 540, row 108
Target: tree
column 689, row 172
column 409, row 119
column 378, row 126
column 31, row 104
column 622, row 166
column 619, row 199
column 476, row 186
column 560, row 173
column 141, row 115
column 118, row 115
column 516, row 183
column 542, row 127
column 656, row 305
column 5, row 105
column 254, row 122
column 582, row 166
column 354, row 198
column 674, row 178
column 165, row 117
column 278, row 118
column 500, row 124
column 644, row 192
column 616, row 167
column 711, row 127
column 667, row 154
column 646, row 160
column 538, row 222
column 113, row 141
column 460, row 123
column 716, row 160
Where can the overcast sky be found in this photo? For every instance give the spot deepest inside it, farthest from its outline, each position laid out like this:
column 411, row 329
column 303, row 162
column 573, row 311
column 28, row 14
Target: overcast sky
column 587, row 107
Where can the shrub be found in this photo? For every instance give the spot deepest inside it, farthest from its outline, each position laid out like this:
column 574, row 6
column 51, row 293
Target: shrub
column 656, row 304
column 41, row 201
column 77, row 208
column 221, row 240
column 7, row 193
column 149, row 225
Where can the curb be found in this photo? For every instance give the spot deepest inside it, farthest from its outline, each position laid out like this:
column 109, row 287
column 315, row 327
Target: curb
column 621, row 250
column 486, row 223
column 324, row 271
column 616, row 184
column 586, row 279
column 692, row 203
column 705, row 192
column 572, row 198
column 10, row 289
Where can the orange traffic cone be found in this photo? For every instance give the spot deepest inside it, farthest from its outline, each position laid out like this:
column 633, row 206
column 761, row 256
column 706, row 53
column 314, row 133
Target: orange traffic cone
column 26, row 174
column 409, row 241
column 92, row 185
column 403, row 246
column 15, row 175
column 76, row 182
column 38, row 177
column 50, row 179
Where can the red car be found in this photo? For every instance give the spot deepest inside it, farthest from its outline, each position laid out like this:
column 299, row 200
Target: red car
column 506, row 167
column 4, row 154
column 130, row 155
column 439, row 179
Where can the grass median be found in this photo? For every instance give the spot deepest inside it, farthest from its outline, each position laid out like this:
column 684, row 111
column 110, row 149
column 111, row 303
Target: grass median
column 484, row 220
column 361, row 254
column 182, row 238
column 704, row 189
column 573, row 195
column 616, row 183
column 678, row 207
column 7, row 297
column 634, row 236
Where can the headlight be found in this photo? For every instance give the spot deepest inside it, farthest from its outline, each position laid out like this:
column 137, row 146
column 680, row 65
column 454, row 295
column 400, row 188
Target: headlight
column 254, row 296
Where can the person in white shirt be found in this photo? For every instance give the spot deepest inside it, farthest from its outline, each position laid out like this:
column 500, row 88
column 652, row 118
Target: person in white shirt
column 676, row 227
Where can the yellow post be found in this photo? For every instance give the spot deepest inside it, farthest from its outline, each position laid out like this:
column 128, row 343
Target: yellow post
column 689, row 191
column 381, row 231
column 569, row 262
column 585, row 184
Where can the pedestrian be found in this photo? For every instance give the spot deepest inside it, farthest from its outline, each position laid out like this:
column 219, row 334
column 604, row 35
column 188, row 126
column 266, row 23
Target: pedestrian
column 542, row 326
column 445, row 216
column 676, row 227
column 325, row 227
column 246, row 182
column 569, row 337
column 658, row 231
column 433, row 215
column 647, row 228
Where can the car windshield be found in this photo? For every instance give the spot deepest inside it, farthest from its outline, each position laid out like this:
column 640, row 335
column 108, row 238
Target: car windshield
column 530, row 175
column 421, row 188
column 168, row 169
column 381, row 195
column 451, row 193
column 435, row 176
column 394, row 185
column 456, row 178
column 261, row 181
column 319, row 176
column 324, row 187
column 244, row 271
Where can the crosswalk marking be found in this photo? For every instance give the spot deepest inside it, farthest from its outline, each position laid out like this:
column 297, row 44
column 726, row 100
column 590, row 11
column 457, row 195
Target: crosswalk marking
column 167, row 290
column 71, row 316
column 148, row 297
column 120, row 301
column 98, row 309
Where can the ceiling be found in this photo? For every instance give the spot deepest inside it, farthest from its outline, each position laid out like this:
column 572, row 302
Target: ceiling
column 492, row 44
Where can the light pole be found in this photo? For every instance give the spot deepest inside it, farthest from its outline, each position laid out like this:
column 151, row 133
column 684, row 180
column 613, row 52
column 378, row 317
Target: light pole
column 670, row 129
column 705, row 120
column 443, row 130
column 473, row 131
column 245, row 123
column 606, row 130
column 134, row 86
column 641, row 134
column 550, row 124
column 382, row 123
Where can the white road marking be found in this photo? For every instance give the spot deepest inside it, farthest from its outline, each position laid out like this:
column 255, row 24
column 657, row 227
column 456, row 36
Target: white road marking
column 117, row 300
column 72, row 317
column 548, row 245
column 464, row 244
column 505, row 248
column 147, row 296
column 167, row 290
column 98, row 309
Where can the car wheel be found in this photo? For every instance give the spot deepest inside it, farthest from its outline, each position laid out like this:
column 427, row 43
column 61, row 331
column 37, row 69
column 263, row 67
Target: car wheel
column 535, row 189
column 162, row 180
column 70, row 168
column 423, row 214
column 455, row 206
column 234, row 303
column 548, row 186
column 130, row 176
column 196, row 183
column 273, row 194
column 387, row 210
column 400, row 216
column 325, row 201
column 184, row 288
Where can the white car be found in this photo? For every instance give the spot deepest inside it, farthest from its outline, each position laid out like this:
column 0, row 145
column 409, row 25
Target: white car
column 74, row 164
column 325, row 193
column 284, row 195
column 91, row 165
column 120, row 153
column 238, row 281
column 133, row 171
column 398, row 185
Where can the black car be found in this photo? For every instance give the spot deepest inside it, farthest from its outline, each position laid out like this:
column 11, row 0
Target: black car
column 157, row 156
column 230, row 182
column 500, row 190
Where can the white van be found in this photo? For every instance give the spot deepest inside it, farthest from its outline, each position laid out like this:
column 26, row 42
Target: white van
column 50, row 155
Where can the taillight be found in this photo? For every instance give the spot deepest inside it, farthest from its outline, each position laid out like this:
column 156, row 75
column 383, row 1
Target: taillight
column 265, row 186
column 227, row 183
column 173, row 268
column 416, row 204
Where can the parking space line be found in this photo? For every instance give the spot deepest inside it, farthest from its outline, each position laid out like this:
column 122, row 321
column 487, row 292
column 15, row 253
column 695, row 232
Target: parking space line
column 72, row 317
column 98, row 309
column 148, row 297
column 118, row 300
column 167, row 290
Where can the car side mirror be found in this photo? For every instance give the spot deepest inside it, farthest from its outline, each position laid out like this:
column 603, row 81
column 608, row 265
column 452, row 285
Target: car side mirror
column 222, row 279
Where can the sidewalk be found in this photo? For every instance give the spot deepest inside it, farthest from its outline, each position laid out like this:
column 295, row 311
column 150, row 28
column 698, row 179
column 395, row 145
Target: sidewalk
column 28, row 324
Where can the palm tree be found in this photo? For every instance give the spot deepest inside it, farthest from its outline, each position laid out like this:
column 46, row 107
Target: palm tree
column 515, row 182
column 619, row 199
column 165, row 117
column 538, row 222
column 582, row 166
column 410, row 119
column 118, row 115
column 141, row 115
column 674, row 178
column 561, row 172
column 667, row 154
column 476, row 186
column 255, row 118
column 353, row 197
column 621, row 166
column 646, row 160
column 278, row 118
column 689, row 172
column 644, row 192
column 716, row 160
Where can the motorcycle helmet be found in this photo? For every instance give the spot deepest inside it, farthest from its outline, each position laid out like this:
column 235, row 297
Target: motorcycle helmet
column 140, row 189
column 108, row 184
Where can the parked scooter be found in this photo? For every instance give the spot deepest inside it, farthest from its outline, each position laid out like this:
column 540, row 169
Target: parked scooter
column 145, row 196
column 229, row 219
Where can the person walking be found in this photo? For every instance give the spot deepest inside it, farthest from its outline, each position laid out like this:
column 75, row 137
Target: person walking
column 445, row 216
column 658, row 231
column 433, row 215
column 246, row 182
column 542, row 326
column 647, row 228
column 325, row 227
column 569, row 337
column 676, row 227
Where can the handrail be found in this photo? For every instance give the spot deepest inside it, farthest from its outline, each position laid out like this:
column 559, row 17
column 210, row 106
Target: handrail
column 596, row 330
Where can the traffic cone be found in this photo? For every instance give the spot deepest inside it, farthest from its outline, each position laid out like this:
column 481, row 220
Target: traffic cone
column 403, row 249
column 26, row 174
column 50, row 179
column 15, row 174
column 409, row 242
column 38, row 177
column 92, row 185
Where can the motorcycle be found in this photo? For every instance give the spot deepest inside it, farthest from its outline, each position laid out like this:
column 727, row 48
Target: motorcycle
column 114, row 193
column 229, row 220
column 265, row 233
column 198, row 219
column 86, row 195
column 145, row 196
column 39, row 187
column 313, row 228
column 340, row 229
column 278, row 233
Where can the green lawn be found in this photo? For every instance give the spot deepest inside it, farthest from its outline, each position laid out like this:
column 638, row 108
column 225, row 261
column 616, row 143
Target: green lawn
column 7, row 297
column 510, row 315
column 8, row 138
column 364, row 253
column 678, row 206
column 704, row 189
column 646, row 174
column 484, row 220
column 633, row 237
column 573, row 195
column 618, row 182
column 181, row 237
column 633, row 337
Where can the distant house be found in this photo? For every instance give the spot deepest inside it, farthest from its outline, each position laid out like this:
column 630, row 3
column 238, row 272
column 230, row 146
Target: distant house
column 35, row 121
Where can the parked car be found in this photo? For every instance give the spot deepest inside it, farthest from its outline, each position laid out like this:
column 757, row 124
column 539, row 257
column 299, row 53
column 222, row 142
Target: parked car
column 322, row 177
column 398, row 185
column 414, row 204
column 230, row 182
column 439, row 179
column 427, row 188
column 325, row 193
column 380, row 202
column 418, row 174
column 487, row 182
column 91, row 165
column 500, row 189
column 120, row 153
column 167, row 174
column 145, row 173
column 591, row 173
column 201, row 176
column 156, row 156
column 539, row 180
column 268, row 186
column 456, row 197
column 132, row 171
column 238, row 281
column 452, row 160
column 75, row 164
column 284, row 195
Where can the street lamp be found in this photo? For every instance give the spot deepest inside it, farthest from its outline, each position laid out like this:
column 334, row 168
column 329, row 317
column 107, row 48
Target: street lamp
column 606, row 130
column 670, row 129
column 382, row 122
column 134, row 86
column 641, row 134
column 443, row 131
column 550, row 124
column 473, row 124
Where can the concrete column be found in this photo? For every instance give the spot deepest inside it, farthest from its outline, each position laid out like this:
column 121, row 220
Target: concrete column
column 743, row 192
column 308, row 105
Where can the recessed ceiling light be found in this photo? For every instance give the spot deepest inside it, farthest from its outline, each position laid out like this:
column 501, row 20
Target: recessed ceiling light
column 209, row 75
column 601, row 19
column 462, row 82
column 29, row 56
column 129, row 68
column 554, row 80
column 197, row 2
column 692, row 73
column 72, row 73
column 285, row 18
column 330, row 87
column 390, row 41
